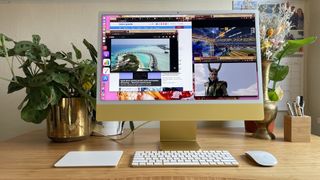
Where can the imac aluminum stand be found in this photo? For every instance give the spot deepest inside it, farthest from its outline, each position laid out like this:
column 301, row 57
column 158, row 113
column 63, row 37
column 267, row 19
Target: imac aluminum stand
column 178, row 135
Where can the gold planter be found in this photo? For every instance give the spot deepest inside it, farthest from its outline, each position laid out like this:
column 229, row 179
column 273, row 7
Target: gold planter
column 270, row 114
column 270, row 107
column 69, row 120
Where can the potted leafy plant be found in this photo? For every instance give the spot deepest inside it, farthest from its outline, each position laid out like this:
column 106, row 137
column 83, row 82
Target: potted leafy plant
column 59, row 86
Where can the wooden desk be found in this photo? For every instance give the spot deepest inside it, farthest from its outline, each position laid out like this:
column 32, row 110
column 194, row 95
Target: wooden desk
column 32, row 155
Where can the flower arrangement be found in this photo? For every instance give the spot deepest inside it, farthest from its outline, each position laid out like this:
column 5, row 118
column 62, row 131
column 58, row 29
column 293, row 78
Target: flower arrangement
column 275, row 25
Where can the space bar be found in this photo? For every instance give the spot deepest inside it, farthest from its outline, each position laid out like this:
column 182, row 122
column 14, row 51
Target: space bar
column 181, row 164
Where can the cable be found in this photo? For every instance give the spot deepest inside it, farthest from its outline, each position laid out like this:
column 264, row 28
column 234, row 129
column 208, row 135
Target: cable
column 96, row 133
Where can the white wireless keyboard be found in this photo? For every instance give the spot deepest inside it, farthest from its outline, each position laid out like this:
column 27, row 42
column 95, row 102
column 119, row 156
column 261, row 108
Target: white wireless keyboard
column 183, row 158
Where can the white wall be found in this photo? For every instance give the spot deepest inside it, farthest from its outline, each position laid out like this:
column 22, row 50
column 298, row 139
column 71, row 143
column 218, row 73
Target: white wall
column 313, row 66
column 61, row 22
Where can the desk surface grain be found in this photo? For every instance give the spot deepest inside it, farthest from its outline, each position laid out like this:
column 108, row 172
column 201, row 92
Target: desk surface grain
column 32, row 155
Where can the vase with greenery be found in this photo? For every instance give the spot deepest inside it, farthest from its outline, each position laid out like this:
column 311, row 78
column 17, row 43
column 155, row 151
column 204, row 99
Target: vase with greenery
column 274, row 29
column 48, row 77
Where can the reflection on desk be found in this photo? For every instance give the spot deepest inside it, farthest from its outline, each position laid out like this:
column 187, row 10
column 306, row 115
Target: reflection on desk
column 32, row 155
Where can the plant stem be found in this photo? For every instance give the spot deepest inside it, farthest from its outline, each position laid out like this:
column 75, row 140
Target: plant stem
column 12, row 62
column 44, row 63
column 5, row 79
column 71, row 62
column 274, row 85
column 38, row 69
column 23, row 61
column 275, row 82
column 21, row 104
column 35, row 70
column 7, row 57
column 19, row 60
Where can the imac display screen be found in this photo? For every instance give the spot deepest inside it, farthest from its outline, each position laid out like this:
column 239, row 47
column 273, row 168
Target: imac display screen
column 178, row 57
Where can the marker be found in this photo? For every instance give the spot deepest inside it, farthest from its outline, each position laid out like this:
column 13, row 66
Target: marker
column 301, row 104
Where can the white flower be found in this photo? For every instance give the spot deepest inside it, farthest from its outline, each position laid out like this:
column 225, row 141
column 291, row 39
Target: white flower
column 277, row 22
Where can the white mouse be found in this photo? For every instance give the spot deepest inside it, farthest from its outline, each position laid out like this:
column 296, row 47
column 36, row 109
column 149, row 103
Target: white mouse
column 262, row 158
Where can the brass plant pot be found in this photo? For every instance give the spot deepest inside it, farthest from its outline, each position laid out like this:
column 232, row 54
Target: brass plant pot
column 69, row 120
column 270, row 114
column 270, row 107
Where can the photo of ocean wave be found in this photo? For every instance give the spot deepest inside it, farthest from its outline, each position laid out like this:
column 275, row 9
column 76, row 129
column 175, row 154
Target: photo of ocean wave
column 130, row 55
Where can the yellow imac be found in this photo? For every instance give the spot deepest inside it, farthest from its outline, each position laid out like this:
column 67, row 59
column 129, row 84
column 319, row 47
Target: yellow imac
column 179, row 68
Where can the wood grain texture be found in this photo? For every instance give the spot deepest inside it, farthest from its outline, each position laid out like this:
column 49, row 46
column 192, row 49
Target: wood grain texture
column 297, row 128
column 32, row 155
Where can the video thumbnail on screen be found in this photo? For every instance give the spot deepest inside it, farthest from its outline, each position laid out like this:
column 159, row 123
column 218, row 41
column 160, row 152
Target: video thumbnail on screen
column 227, row 44
column 140, row 55
column 225, row 80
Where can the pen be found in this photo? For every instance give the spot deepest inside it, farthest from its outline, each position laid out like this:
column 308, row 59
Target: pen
column 296, row 109
column 290, row 111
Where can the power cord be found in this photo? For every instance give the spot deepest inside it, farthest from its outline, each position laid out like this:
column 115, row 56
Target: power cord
column 122, row 137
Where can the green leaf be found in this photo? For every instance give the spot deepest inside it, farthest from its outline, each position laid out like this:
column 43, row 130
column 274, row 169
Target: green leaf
column 36, row 39
column 21, row 47
column 2, row 39
column 6, row 38
column 44, row 51
column 61, row 78
column 33, row 55
column 53, row 66
column 64, row 56
column 13, row 87
column 56, row 97
column 93, row 90
column 41, row 97
column 25, row 67
column 78, row 87
column 273, row 95
column 92, row 50
column 64, row 92
column 77, row 51
column 278, row 72
column 41, row 79
column 16, row 86
column 93, row 102
column 69, row 56
column 58, row 55
column 29, row 114
column 293, row 46
column 2, row 53
column 11, row 52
